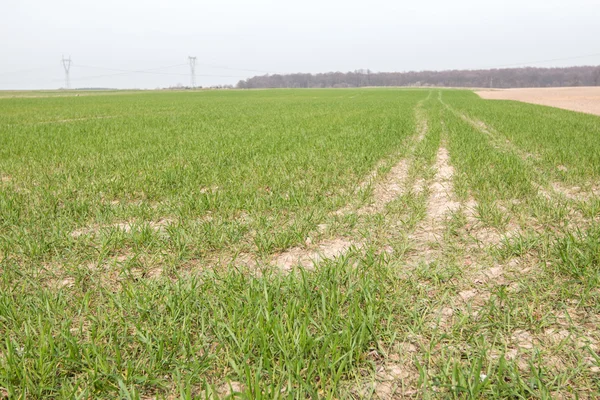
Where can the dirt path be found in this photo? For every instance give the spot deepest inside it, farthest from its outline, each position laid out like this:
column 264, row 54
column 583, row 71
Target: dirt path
column 393, row 185
column 464, row 251
column 582, row 99
column 503, row 144
column 386, row 190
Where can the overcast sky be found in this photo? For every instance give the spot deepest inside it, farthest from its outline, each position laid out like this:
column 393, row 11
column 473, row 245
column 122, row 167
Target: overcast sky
column 279, row 36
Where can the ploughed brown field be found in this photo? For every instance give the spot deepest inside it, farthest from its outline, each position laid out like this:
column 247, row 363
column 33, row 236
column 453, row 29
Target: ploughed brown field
column 583, row 99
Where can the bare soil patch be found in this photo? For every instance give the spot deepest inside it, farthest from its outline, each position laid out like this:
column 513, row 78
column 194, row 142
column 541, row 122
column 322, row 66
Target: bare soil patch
column 62, row 121
column 304, row 258
column 286, row 261
column 582, row 99
column 124, row 226
column 229, row 389
column 486, row 235
column 388, row 189
column 576, row 192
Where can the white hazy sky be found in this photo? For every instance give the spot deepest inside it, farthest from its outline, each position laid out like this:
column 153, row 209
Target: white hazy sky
column 282, row 36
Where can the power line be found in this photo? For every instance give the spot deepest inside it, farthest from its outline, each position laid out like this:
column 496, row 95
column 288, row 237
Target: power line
column 238, row 69
column 68, row 63
column 23, row 71
column 121, row 72
column 126, row 72
column 129, row 70
column 176, row 65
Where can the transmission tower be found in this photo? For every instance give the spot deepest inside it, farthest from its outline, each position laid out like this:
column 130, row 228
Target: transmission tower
column 192, row 71
column 66, row 62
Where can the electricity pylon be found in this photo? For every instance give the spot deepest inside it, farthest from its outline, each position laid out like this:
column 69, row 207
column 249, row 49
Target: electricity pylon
column 66, row 62
column 192, row 71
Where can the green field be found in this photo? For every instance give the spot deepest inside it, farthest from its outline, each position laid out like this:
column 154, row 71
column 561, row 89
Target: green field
column 373, row 243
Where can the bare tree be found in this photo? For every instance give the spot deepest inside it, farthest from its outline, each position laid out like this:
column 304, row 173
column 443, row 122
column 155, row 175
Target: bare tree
column 503, row 78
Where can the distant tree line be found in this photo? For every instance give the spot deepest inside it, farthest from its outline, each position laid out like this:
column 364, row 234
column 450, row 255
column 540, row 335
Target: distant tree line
column 497, row 78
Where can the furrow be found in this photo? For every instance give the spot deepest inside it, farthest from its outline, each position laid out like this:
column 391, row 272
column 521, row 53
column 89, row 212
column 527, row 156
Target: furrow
column 385, row 191
column 440, row 203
